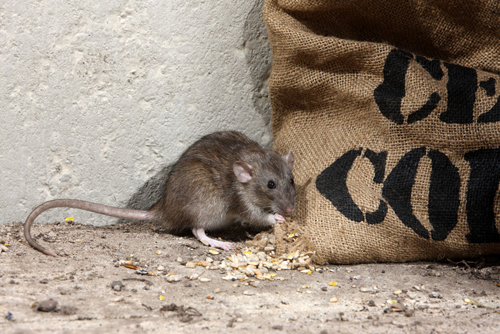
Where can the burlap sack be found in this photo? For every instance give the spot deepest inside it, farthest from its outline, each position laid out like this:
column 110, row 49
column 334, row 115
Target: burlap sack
column 392, row 110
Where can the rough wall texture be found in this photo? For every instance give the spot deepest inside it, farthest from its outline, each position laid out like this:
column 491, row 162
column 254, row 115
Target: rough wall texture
column 98, row 97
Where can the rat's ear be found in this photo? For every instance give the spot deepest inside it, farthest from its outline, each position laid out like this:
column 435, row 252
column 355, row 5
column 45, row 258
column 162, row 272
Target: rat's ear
column 243, row 171
column 288, row 157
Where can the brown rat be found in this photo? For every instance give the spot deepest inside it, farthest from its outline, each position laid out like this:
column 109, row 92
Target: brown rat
column 222, row 178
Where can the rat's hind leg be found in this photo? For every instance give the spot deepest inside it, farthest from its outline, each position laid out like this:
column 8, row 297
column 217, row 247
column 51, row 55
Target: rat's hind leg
column 199, row 233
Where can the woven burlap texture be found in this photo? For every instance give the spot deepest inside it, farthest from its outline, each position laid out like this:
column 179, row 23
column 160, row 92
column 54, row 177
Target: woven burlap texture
column 328, row 60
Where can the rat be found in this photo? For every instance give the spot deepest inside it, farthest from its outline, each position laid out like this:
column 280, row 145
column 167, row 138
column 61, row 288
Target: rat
column 222, row 179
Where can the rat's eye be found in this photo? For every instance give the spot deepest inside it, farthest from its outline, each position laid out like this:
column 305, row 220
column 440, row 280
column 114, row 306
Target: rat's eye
column 271, row 185
column 291, row 181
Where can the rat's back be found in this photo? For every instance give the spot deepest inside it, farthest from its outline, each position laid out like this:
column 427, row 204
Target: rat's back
column 200, row 186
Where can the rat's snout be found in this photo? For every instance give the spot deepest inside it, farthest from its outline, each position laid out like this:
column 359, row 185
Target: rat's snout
column 289, row 210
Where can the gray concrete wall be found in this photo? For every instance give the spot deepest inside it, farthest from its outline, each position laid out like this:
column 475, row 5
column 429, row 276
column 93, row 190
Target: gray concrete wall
column 98, row 97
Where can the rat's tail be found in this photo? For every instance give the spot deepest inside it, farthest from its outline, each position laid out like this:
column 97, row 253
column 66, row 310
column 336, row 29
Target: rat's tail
column 83, row 205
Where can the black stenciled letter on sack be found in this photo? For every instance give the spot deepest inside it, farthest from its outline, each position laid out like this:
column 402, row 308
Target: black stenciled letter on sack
column 443, row 193
column 481, row 191
column 461, row 87
column 332, row 183
column 493, row 115
column 389, row 93
column 397, row 188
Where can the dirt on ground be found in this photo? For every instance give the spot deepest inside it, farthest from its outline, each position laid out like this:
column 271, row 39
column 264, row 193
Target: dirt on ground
column 129, row 278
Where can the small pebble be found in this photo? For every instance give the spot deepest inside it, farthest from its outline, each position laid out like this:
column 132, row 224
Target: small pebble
column 174, row 278
column 48, row 305
column 194, row 276
column 248, row 293
column 117, row 285
column 435, row 294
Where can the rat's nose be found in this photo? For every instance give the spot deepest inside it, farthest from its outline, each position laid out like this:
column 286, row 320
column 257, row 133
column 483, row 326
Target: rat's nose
column 289, row 209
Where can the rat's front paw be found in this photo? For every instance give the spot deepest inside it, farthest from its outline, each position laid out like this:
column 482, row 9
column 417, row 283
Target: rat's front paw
column 276, row 218
column 279, row 218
